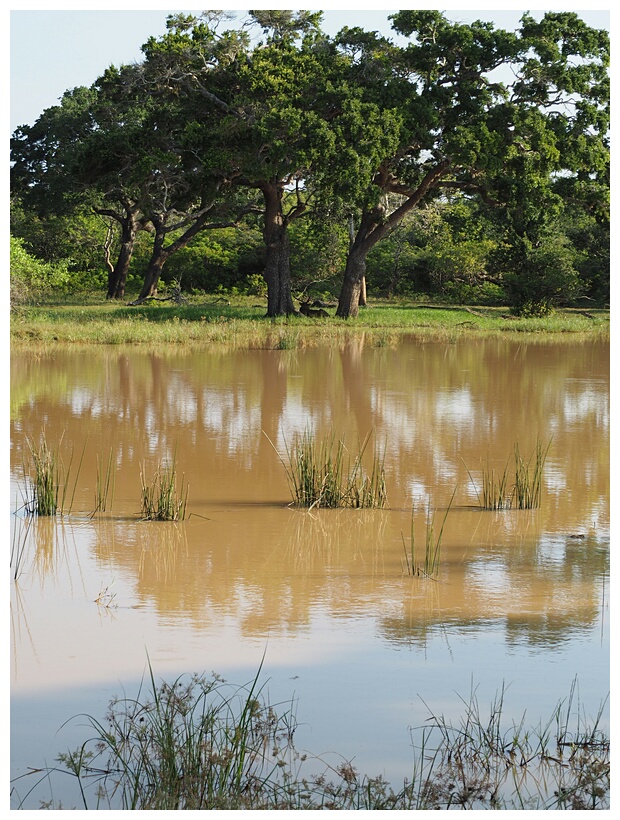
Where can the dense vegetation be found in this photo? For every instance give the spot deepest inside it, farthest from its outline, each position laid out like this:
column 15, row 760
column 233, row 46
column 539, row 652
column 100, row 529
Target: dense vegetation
column 469, row 166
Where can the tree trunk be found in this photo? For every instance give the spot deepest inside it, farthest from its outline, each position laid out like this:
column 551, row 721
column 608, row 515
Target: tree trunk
column 373, row 227
column 354, row 274
column 362, row 301
column 277, row 263
column 156, row 264
column 118, row 277
column 130, row 224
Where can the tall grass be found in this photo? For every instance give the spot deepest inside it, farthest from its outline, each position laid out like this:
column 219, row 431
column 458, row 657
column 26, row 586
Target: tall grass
column 45, row 481
column 200, row 744
column 104, row 485
column 160, row 499
column 429, row 566
column 528, row 477
column 490, row 763
column 49, row 480
column 321, row 474
column 525, row 493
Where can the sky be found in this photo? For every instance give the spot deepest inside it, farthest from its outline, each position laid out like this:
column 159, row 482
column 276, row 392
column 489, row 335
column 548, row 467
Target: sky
column 53, row 50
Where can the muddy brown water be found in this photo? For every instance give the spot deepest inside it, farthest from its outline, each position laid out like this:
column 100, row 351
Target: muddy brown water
column 362, row 649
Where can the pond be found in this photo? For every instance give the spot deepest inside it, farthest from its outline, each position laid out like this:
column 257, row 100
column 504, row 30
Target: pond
column 322, row 597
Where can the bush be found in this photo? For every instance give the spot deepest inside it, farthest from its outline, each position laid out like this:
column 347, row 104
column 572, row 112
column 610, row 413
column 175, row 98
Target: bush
column 544, row 278
column 30, row 278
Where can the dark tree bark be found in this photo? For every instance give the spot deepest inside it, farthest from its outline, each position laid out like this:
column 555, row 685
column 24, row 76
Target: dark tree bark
column 277, row 263
column 130, row 223
column 373, row 227
column 161, row 253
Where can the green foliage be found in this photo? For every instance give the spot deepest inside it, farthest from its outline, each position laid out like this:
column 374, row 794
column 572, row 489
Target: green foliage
column 199, row 743
column 212, row 123
column 30, row 278
column 542, row 277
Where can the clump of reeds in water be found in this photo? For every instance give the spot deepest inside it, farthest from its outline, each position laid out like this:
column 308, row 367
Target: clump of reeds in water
column 525, row 493
column 321, row 474
column 160, row 499
column 429, row 565
column 47, row 494
column 45, row 481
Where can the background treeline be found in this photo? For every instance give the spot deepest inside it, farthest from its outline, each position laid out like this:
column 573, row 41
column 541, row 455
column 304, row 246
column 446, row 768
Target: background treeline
column 290, row 164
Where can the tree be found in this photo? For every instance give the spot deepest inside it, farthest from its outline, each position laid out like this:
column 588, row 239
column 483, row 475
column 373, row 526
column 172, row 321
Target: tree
column 73, row 158
column 279, row 118
column 464, row 128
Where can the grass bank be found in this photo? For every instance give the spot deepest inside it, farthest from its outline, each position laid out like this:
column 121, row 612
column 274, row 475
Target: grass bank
column 241, row 322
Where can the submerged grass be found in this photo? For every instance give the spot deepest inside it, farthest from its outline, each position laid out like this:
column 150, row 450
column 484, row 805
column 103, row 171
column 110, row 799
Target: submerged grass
column 321, row 475
column 160, row 499
column 200, row 744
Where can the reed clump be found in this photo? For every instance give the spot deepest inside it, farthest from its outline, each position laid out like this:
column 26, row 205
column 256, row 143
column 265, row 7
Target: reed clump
column 320, row 474
column 525, row 492
column 45, row 481
column 161, row 501
column 49, row 480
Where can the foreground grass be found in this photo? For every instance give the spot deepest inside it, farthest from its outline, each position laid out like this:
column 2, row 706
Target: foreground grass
column 241, row 322
column 201, row 744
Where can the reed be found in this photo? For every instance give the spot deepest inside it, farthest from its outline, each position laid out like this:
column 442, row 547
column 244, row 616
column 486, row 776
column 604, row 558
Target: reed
column 429, row 567
column 19, row 543
column 528, row 477
column 321, row 475
column 160, row 499
column 496, row 493
column 104, row 484
column 49, row 480
column 525, row 493
column 45, row 488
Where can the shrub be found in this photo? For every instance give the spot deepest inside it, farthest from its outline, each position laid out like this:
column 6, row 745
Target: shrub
column 31, row 278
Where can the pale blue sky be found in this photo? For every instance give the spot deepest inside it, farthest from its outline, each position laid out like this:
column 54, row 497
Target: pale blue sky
column 52, row 50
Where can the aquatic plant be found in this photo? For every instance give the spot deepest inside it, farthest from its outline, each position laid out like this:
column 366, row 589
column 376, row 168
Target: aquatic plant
column 528, row 477
column 432, row 545
column 19, row 542
column 45, row 481
column 525, row 493
column 484, row 762
column 201, row 744
column 47, row 492
column 160, row 499
column 104, row 484
column 321, row 475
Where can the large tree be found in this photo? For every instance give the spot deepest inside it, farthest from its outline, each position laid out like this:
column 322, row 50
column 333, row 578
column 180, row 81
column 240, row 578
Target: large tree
column 73, row 157
column 278, row 117
column 468, row 126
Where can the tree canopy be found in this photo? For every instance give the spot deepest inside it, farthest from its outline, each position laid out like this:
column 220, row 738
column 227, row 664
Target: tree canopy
column 272, row 119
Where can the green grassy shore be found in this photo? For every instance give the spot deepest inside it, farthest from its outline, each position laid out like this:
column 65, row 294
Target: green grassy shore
column 241, row 322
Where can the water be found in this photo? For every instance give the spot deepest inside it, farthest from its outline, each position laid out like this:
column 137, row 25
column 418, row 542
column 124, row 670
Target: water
column 361, row 648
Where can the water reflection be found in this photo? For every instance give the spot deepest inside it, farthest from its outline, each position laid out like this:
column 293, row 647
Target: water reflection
column 325, row 591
